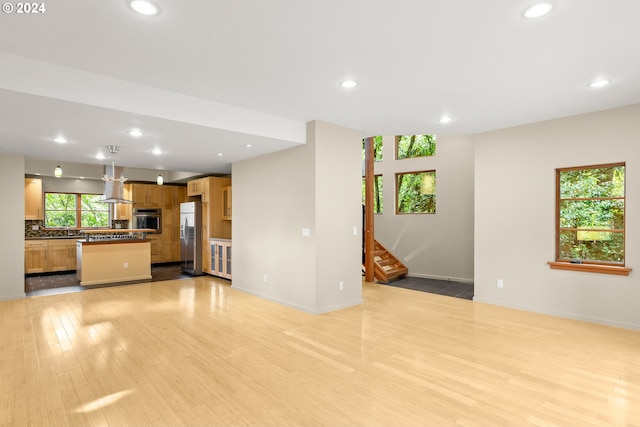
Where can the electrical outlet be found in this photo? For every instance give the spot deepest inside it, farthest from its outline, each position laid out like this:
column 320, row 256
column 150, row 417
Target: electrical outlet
column 500, row 283
column 266, row 280
column 341, row 285
column 126, row 265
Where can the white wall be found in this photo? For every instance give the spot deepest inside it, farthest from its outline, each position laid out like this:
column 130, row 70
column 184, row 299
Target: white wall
column 338, row 211
column 315, row 186
column 12, row 220
column 435, row 246
column 515, row 209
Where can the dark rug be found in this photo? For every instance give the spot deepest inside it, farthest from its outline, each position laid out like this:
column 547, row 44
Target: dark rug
column 433, row 286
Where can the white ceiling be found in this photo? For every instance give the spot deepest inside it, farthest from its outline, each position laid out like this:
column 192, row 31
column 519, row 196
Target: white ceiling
column 209, row 77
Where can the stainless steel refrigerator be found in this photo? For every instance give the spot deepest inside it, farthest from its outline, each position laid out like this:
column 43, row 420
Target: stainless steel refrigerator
column 191, row 237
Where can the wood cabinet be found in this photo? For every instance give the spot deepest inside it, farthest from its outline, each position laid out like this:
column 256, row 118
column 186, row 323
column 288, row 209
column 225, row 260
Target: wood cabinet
column 217, row 226
column 44, row 256
column 198, row 187
column 216, row 213
column 124, row 210
column 226, row 203
column 156, row 247
column 33, row 199
column 147, row 195
column 35, row 256
column 220, row 258
column 170, row 234
column 61, row 254
column 173, row 196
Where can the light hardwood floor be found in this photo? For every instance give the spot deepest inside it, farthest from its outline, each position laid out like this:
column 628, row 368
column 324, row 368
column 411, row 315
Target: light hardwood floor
column 195, row 352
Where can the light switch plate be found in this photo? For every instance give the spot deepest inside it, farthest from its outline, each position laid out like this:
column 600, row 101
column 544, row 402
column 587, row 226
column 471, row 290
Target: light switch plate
column 306, row 232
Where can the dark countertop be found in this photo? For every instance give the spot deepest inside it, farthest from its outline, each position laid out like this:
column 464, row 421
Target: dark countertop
column 56, row 237
column 111, row 242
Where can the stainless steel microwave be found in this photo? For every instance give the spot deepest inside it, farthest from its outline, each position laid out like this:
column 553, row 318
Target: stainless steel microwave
column 148, row 218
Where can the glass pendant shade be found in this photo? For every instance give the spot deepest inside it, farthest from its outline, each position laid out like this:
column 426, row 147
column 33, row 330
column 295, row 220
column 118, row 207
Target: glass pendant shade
column 57, row 172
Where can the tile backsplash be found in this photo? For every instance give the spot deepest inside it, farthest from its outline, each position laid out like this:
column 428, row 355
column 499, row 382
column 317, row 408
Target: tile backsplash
column 40, row 231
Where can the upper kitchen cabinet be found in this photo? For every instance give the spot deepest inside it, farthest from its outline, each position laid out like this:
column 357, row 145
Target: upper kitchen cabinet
column 213, row 199
column 33, row 199
column 199, row 187
column 226, row 203
column 146, row 195
column 123, row 210
column 174, row 195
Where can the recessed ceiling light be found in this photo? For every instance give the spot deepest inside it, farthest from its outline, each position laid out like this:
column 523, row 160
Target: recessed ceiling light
column 348, row 84
column 599, row 83
column 445, row 119
column 156, row 151
column 219, row 154
column 135, row 132
column 248, row 145
column 100, row 156
column 144, row 7
column 538, row 10
column 60, row 139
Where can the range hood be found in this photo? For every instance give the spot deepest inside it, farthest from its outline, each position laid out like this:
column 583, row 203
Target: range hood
column 114, row 185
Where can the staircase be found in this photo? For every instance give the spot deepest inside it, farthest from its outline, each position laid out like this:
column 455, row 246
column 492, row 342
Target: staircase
column 387, row 266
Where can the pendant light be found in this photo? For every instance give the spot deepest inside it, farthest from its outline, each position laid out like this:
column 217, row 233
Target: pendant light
column 159, row 180
column 57, row 172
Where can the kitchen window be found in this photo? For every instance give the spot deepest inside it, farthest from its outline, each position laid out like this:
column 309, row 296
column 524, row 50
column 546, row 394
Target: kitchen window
column 75, row 210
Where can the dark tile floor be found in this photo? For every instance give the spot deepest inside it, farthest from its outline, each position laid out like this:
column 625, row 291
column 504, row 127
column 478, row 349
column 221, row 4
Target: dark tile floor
column 48, row 284
column 441, row 287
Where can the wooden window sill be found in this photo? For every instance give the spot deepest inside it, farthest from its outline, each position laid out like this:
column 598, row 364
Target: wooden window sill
column 590, row 268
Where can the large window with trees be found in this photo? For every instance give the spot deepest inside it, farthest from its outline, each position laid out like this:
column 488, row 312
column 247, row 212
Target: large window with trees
column 590, row 214
column 377, row 148
column 75, row 210
column 408, row 146
column 416, row 192
column 377, row 193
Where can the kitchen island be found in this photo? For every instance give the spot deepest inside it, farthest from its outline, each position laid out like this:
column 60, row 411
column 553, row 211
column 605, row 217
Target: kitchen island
column 114, row 255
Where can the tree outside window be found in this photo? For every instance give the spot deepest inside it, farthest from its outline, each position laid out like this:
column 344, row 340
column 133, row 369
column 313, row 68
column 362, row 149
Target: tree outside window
column 94, row 212
column 590, row 214
column 416, row 192
column 408, row 146
column 377, row 193
column 72, row 210
column 377, row 148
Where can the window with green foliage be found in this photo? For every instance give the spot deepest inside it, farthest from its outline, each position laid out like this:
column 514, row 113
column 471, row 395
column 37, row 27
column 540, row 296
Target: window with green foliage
column 590, row 214
column 408, row 146
column 75, row 210
column 377, row 193
column 416, row 192
column 377, row 148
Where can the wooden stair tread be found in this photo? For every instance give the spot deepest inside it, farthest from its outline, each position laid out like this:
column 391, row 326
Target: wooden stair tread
column 386, row 265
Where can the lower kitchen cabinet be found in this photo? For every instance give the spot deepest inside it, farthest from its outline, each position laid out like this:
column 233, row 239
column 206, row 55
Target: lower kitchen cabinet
column 44, row 256
column 220, row 258
column 35, row 256
column 156, row 247
column 61, row 255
